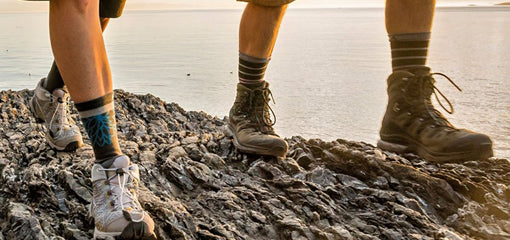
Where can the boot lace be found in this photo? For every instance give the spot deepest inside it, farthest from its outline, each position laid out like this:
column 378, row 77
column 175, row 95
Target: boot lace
column 124, row 198
column 267, row 111
column 257, row 111
column 425, row 86
column 60, row 115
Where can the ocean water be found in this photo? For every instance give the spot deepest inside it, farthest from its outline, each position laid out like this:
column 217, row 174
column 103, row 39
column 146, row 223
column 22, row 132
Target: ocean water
column 327, row 73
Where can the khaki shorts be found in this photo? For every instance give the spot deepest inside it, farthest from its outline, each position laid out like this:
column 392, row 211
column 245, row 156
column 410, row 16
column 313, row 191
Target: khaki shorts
column 268, row 3
column 107, row 8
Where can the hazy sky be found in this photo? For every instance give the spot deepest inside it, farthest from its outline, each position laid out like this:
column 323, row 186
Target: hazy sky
column 23, row 6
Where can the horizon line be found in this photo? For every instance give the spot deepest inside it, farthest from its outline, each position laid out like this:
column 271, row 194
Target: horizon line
column 290, row 8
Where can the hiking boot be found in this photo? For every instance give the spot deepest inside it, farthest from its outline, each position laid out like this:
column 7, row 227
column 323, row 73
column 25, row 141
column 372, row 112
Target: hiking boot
column 412, row 124
column 52, row 109
column 115, row 207
column 250, row 123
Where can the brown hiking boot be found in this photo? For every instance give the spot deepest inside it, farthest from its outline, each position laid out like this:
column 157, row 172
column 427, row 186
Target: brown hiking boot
column 411, row 124
column 250, row 123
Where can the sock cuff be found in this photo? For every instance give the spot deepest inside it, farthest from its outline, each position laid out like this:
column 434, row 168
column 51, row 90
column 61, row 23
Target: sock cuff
column 408, row 37
column 249, row 58
column 96, row 106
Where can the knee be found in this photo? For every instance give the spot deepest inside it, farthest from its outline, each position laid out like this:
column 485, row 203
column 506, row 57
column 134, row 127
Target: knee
column 76, row 6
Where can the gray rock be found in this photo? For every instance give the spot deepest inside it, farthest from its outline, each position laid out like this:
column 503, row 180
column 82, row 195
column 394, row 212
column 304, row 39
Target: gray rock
column 77, row 187
column 27, row 225
column 196, row 185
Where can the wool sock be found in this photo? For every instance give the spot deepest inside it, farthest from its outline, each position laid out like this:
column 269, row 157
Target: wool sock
column 98, row 117
column 409, row 50
column 252, row 70
column 54, row 79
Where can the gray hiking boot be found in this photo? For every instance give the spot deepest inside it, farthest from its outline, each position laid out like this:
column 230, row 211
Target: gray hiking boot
column 411, row 124
column 250, row 123
column 115, row 207
column 52, row 109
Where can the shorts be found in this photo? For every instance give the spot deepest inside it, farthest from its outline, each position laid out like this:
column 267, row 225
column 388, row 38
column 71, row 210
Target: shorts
column 268, row 3
column 111, row 8
column 107, row 8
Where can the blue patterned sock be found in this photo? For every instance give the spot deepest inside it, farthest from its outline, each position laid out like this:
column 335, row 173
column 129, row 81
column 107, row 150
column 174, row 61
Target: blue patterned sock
column 98, row 117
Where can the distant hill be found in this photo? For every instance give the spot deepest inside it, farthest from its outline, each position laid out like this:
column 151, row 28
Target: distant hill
column 503, row 4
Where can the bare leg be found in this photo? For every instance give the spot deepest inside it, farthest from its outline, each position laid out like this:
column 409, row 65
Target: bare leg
column 250, row 124
column 79, row 51
column 54, row 79
column 409, row 23
column 409, row 16
column 259, row 29
column 78, row 48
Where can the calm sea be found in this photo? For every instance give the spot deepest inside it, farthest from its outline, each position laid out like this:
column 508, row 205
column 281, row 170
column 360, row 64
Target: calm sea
column 328, row 70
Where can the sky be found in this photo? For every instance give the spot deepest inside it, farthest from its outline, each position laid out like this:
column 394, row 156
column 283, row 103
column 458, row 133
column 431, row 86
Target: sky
column 25, row 6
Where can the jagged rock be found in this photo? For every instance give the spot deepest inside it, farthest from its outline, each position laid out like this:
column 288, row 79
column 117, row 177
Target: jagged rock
column 24, row 224
column 197, row 186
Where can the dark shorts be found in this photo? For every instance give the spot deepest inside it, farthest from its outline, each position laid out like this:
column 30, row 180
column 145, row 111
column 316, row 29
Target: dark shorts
column 107, row 8
column 111, row 8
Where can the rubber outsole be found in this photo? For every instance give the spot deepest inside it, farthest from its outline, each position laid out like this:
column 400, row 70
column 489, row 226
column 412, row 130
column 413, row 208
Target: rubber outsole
column 98, row 235
column 483, row 152
column 271, row 152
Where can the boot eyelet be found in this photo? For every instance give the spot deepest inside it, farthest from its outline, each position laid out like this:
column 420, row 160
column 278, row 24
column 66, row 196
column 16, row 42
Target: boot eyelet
column 396, row 108
column 405, row 79
column 409, row 114
column 421, row 119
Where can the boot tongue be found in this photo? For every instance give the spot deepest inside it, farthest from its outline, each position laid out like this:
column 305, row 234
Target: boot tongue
column 420, row 71
column 59, row 94
column 120, row 163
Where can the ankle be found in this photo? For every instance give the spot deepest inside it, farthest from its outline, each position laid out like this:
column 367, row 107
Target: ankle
column 253, row 85
column 409, row 50
column 252, row 70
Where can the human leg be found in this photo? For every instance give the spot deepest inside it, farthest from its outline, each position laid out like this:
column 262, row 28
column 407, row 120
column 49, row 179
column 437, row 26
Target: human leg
column 250, row 122
column 411, row 123
column 50, row 103
column 54, row 79
column 79, row 51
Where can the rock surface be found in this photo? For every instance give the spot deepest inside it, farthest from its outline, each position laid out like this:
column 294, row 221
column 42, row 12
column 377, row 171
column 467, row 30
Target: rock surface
column 197, row 186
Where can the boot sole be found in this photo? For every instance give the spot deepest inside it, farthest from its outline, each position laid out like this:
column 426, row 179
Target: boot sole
column 70, row 147
column 267, row 152
column 483, row 152
column 98, row 235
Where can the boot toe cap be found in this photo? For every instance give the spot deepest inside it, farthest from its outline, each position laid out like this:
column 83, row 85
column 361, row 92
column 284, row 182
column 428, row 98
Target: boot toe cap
column 263, row 144
column 480, row 145
column 131, row 229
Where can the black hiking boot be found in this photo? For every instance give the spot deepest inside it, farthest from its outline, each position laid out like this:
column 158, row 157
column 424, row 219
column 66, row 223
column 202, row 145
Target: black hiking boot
column 411, row 124
column 250, row 123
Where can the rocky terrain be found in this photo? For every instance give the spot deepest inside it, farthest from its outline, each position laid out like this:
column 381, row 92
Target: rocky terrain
column 197, row 186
